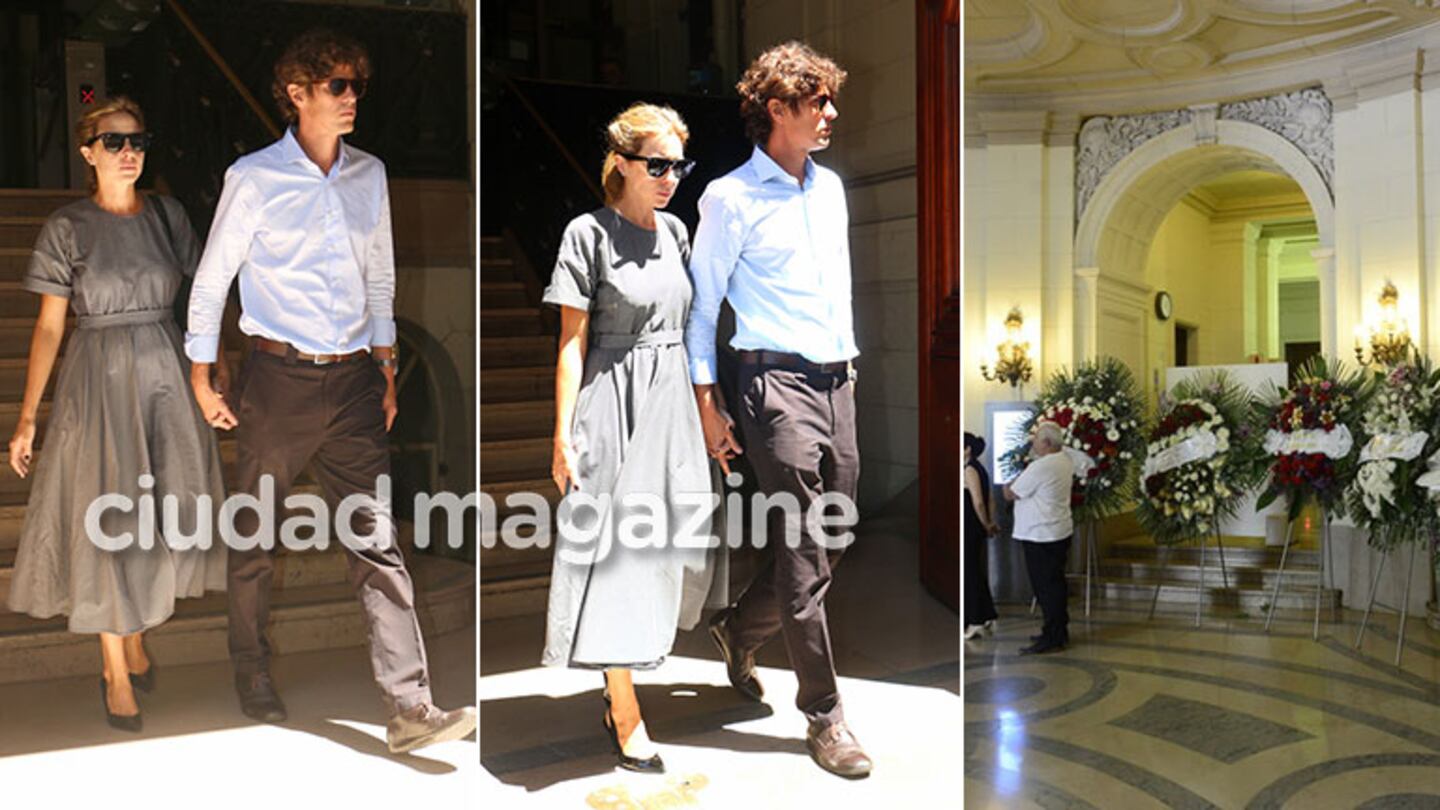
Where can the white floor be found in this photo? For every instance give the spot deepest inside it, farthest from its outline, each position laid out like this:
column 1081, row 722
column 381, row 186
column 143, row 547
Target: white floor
column 198, row 750
column 897, row 653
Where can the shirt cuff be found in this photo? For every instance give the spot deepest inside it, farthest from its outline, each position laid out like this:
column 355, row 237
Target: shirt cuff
column 201, row 348
column 702, row 370
column 382, row 331
column 40, row 285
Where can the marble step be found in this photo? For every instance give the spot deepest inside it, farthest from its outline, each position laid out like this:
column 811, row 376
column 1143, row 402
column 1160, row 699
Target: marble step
column 529, row 557
column 502, row 295
column 493, row 247
column 20, row 231
column 28, row 202
column 511, row 322
column 516, row 420
column 515, row 459
column 14, row 261
column 1297, row 575
column 317, row 617
column 510, row 352
column 496, row 268
column 1256, row 556
column 518, row 383
column 1252, row 600
column 526, row 595
column 499, row 491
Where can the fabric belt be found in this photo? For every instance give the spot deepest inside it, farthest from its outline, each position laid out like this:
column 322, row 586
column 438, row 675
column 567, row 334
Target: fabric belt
column 281, row 349
column 792, row 361
column 667, row 337
column 124, row 318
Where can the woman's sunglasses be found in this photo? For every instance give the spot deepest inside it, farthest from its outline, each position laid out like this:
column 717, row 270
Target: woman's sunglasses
column 337, row 86
column 115, row 141
column 658, row 166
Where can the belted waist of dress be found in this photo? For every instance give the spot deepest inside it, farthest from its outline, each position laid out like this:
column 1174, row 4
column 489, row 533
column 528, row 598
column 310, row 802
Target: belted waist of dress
column 665, row 337
column 125, row 318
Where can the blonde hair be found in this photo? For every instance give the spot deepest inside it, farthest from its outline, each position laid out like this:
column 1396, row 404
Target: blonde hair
column 89, row 124
column 627, row 131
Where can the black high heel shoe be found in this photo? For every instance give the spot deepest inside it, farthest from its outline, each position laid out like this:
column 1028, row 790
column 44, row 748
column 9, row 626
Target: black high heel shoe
column 146, row 682
column 653, row 764
column 124, row 722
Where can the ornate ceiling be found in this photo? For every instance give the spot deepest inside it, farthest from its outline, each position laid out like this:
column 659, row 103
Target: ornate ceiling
column 1058, row 47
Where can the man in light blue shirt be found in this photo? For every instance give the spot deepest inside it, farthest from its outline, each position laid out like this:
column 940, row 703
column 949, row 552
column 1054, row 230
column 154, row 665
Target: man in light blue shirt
column 774, row 240
column 305, row 223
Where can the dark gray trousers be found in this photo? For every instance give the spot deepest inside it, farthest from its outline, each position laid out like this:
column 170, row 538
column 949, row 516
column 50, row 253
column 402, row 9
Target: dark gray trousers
column 292, row 413
column 799, row 434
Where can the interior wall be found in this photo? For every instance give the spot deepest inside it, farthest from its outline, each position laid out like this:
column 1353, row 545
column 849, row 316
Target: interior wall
column 874, row 153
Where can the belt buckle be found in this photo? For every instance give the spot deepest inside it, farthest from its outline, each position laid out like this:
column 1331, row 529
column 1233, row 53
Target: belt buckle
column 322, row 359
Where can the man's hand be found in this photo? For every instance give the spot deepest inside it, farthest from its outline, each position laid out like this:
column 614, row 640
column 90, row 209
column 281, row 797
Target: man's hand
column 717, row 426
column 390, row 403
column 212, row 402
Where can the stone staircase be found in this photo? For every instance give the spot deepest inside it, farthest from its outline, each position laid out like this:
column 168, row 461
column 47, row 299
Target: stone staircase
column 313, row 606
column 517, row 413
column 1130, row 568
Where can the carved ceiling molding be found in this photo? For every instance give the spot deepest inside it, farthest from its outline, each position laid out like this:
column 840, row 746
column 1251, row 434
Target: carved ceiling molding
column 1030, row 47
column 1305, row 118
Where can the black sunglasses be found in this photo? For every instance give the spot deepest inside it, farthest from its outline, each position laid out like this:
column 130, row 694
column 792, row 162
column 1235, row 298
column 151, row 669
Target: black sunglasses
column 658, row 166
column 115, row 141
column 822, row 101
column 337, row 86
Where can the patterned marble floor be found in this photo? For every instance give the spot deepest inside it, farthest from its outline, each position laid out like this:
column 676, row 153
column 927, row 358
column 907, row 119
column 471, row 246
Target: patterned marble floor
column 1139, row 714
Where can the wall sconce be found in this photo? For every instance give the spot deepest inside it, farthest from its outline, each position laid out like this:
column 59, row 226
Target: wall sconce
column 1013, row 361
column 1390, row 339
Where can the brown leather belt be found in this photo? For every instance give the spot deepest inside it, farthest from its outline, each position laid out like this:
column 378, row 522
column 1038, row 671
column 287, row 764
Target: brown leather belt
column 281, row 349
column 790, row 360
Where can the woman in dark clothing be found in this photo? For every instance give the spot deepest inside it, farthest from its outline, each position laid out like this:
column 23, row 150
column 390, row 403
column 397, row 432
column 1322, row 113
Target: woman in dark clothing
column 980, row 612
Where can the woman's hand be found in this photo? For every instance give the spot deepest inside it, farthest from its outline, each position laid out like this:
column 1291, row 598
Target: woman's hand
column 563, row 465
column 22, row 447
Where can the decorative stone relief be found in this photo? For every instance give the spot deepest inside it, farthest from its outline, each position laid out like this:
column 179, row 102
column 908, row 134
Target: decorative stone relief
column 1105, row 139
column 1304, row 118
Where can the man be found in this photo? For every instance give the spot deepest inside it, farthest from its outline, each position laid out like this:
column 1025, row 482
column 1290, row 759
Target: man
column 1044, row 527
column 305, row 222
column 773, row 240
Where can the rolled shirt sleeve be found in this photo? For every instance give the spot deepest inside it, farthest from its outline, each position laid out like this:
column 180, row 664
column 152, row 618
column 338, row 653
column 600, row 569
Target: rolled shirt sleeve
column 380, row 276
column 718, row 241
column 225, row 250
column 51, row 262
column 573, row 280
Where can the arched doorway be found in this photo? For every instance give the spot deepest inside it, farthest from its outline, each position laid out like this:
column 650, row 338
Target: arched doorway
column 1117, row 228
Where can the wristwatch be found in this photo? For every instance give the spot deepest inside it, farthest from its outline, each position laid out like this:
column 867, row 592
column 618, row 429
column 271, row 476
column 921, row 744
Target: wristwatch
column 389, row 362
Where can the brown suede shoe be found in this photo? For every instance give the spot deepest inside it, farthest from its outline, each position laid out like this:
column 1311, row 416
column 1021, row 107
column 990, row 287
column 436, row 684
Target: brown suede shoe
column 426, row 725
column 836, row 750
column 739, row 666
column 258, row 699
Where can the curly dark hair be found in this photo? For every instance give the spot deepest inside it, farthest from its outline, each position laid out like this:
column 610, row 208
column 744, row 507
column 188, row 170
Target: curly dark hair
column 312, row 57
column 791, row 71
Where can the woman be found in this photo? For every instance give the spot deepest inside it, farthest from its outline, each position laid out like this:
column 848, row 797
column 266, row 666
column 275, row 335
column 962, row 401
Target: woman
column 123, row 419
column 980, row 612
column 624, row 294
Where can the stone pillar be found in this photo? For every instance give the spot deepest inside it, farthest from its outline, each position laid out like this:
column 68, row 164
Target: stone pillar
column 1330, row 344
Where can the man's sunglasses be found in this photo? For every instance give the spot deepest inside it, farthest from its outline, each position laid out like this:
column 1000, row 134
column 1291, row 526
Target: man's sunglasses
column 658, row 166
column 337, row 86
column 115, row 141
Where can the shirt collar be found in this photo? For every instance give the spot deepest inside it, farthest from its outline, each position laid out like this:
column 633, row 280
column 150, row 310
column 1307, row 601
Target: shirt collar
column 767, row 169
column 293, row 153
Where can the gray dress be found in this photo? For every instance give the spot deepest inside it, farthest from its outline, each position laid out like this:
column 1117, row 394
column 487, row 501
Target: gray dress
column 636, row 432
column 122, row 409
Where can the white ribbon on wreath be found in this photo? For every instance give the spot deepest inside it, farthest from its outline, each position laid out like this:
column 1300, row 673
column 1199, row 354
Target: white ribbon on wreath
column 1081, row 460
column 1401, row 446
column 1333, row 443
column 1199, row 447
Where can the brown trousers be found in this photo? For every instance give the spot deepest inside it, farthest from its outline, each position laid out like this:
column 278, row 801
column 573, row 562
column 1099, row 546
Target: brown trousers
column 799, row 434
column 292, row 413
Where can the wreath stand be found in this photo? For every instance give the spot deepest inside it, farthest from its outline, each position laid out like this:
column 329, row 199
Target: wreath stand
column 1200, row 582
column 1404, row 605
column 1326, row 566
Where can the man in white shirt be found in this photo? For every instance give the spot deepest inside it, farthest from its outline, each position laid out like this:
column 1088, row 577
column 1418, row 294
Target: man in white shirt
column 1044, row 527
column 305, row 223
column 773, row 240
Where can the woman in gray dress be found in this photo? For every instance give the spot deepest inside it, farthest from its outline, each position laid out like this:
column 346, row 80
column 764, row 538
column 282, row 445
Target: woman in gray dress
column 123, row 420
column 621, row 283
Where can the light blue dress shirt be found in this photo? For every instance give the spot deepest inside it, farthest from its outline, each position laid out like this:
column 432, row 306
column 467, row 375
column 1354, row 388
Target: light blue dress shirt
column 313, row 251
column 780, row 252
